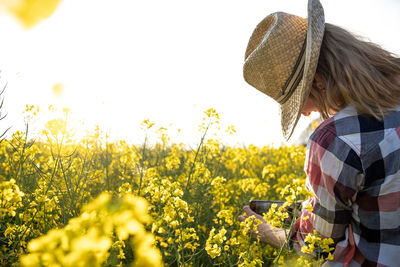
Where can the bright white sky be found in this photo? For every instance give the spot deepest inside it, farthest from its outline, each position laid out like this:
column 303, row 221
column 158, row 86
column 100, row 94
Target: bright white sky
column 122, row 61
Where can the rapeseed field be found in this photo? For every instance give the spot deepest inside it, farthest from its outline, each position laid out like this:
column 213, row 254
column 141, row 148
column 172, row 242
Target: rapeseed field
column 92, row 202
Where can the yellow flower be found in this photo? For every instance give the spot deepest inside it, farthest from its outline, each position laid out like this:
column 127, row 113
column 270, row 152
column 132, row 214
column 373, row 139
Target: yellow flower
column 213, row 250
column 31, row 12
column 309, row 207
column 214, row 242
column 174, row 224
column 330, row 257
column 190, row 219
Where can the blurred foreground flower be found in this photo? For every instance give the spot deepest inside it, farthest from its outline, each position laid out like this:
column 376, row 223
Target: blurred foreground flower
column 58, row 89
column 30, row 12
column 104, row 223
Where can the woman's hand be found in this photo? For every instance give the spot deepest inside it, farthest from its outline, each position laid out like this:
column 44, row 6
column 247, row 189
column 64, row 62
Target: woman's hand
column 275, row 237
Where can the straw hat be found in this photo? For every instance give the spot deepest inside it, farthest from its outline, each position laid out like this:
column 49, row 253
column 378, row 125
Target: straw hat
column 281, row 59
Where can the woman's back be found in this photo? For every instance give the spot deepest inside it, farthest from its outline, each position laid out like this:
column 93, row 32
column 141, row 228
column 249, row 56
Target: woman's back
column 353, row 167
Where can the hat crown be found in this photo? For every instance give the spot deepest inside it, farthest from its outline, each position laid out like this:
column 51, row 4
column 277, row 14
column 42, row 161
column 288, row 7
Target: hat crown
column 274, row 55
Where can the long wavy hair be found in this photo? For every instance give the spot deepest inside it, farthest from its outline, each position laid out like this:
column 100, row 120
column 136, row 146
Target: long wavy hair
column 355, row 72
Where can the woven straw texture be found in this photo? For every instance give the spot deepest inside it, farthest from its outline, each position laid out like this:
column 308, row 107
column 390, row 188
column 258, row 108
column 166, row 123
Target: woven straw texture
column 278, row 38
column 272, row 59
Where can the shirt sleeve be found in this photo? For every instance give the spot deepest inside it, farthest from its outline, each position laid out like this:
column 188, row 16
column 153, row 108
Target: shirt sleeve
column 334, row 174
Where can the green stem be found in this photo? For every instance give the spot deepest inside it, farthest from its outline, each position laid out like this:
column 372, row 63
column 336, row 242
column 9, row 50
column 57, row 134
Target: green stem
column 141, row 165
column 195, row 158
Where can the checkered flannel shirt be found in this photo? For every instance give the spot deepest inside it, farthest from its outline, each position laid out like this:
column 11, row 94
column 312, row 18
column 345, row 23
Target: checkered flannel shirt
column 353, row 169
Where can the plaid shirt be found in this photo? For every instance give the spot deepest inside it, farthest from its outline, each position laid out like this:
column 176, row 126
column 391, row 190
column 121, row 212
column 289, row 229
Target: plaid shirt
column 353, row 169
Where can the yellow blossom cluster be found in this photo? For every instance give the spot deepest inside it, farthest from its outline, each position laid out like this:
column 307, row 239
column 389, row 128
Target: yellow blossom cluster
column 318, row 246
column 10, row 198
column 87, row 239
column 215, row 243
column 251, row 253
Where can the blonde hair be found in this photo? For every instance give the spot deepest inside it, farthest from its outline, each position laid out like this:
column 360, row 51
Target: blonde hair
column 356, row 72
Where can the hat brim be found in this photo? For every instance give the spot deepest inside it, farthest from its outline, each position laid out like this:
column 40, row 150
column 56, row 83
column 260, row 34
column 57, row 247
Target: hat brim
column 291, row 109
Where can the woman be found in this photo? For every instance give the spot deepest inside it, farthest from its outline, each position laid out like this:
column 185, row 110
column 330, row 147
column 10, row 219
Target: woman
column 353, row 157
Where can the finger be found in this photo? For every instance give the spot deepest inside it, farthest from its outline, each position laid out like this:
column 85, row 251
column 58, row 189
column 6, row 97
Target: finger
column 249, row 211
column 241, row 218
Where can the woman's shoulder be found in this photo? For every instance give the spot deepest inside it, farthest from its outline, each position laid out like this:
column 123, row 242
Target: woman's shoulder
column 338, row 125
column 361, row 132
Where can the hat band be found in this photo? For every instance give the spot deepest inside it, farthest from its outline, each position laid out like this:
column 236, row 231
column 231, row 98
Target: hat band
column 294, row 79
